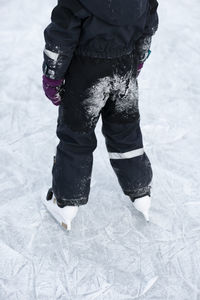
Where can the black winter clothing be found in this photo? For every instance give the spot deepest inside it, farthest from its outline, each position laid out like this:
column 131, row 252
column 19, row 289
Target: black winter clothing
column 95, row 45
column 108, row 88
column 97, row 28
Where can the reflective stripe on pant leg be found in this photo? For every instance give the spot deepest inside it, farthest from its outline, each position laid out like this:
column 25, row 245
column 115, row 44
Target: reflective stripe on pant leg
column 126, row 155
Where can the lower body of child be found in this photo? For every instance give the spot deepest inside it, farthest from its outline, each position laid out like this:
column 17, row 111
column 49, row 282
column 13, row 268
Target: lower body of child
column 108, row 88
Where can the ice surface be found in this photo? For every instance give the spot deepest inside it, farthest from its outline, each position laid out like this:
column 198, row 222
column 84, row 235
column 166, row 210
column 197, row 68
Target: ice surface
column 111, row 253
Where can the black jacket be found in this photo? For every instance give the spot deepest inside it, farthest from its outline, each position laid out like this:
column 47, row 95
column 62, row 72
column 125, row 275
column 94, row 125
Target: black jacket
column 97, row 28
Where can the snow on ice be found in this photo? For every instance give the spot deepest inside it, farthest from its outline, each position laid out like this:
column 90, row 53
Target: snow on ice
column 111, row 253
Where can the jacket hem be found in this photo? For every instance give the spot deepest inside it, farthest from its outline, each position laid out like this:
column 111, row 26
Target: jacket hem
column 71, row 202
column 139, row 193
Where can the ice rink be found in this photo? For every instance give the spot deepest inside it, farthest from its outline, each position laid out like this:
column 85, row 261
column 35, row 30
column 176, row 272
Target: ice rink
column 111, row 253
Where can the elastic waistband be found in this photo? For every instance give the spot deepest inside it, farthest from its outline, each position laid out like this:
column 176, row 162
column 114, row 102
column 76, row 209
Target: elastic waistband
column 107, row 54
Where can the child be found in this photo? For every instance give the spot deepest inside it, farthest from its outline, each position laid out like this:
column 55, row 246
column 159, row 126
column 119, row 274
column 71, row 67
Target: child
column 94, row 52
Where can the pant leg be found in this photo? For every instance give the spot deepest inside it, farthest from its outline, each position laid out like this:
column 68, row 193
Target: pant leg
column 121, row 128
column 73, row 164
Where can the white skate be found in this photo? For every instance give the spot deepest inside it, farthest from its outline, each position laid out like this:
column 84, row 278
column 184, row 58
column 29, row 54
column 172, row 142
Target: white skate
column 143, row 205
column 64, row 215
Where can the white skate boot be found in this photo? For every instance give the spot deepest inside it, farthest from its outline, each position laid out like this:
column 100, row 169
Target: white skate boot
column 64, row 215
column 143, row 205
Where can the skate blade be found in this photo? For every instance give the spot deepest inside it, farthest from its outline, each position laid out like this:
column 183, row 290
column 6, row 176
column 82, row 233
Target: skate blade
column 64, row 226
column 57, row 217
column 145, row 215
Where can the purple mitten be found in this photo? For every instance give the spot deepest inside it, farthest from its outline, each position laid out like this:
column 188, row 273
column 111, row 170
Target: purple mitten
column 53, row 89
column 139, row 68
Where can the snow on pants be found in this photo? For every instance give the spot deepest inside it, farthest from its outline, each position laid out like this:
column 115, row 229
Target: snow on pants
column 108, row 88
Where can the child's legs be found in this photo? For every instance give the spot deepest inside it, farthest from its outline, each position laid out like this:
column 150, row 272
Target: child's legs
column 121, row 128
column 92, row 86
column 86, row 92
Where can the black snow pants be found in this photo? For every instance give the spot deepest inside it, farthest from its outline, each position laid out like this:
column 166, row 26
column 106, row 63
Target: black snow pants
column 108, row 88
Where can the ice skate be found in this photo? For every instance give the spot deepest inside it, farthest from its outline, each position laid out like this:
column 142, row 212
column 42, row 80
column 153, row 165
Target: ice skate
column 143, row 205
column 64, row 215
